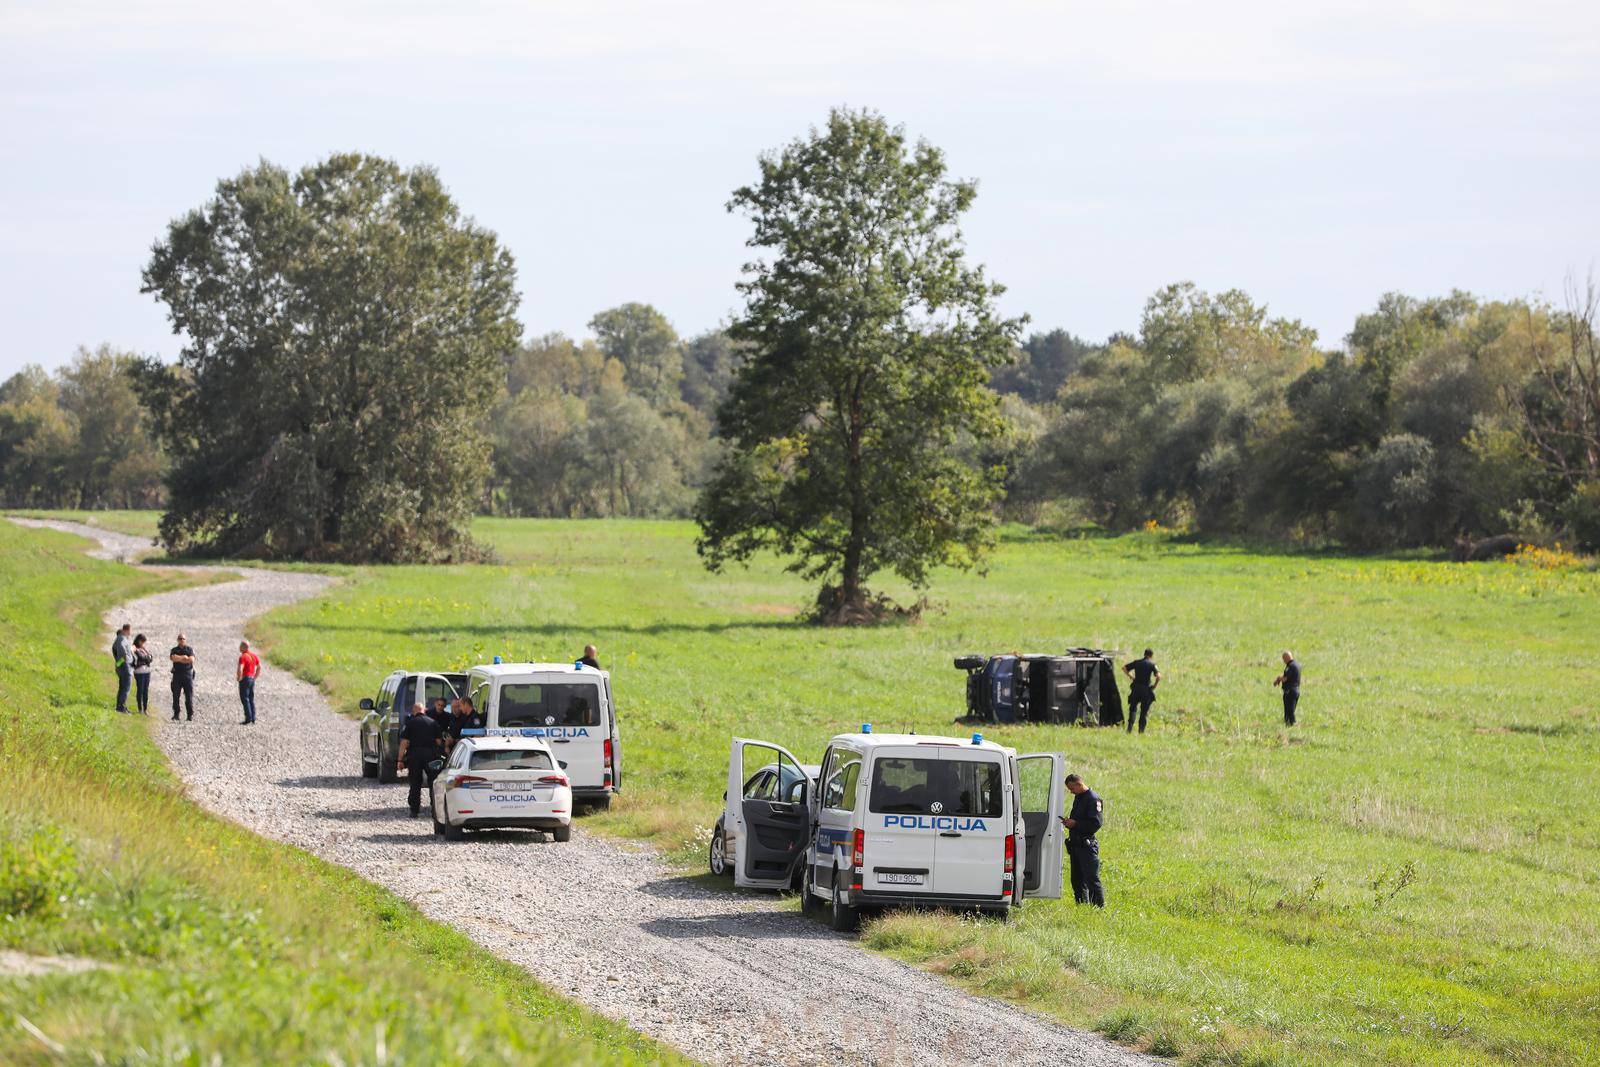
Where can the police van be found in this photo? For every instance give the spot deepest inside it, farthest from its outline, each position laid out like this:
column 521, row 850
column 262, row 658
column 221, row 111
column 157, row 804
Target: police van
column 568, row 705
column 898, row 820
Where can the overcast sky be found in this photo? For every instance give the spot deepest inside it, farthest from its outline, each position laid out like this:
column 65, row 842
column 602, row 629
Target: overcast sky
column 1314, row 154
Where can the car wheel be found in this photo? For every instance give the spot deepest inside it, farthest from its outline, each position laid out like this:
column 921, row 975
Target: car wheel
column 562, row 833
column 843, row 917
column 453, row 833
column 808, row 894
column 387, row 769
column 718, row 857
column 368, row 770
column 438, row 827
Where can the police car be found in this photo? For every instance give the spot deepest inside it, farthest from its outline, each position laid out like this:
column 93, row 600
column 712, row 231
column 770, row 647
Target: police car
column 501, row 778
column 569, row 706
column 902, row 820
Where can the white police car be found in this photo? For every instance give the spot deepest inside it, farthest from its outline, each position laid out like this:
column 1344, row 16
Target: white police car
column 505, row 778
column 570, row 705
column 777, row 783
column 903, row 819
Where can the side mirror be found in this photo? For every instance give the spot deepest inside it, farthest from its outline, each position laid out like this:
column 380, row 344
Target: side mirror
column 366, row 704
column 435, row 766
column 563, row 763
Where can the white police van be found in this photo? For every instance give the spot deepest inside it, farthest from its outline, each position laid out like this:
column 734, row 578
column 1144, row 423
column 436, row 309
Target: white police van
column 902, row 820
column 569, row 706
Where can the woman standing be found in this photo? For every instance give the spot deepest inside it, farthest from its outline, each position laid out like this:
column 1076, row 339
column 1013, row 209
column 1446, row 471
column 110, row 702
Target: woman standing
column 142, row 661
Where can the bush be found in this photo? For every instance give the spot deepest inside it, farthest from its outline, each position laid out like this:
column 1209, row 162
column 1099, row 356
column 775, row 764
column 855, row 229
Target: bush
column 1583, row 515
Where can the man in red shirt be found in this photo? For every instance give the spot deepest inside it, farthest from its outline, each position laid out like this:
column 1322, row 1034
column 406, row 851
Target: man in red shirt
column 249, row 669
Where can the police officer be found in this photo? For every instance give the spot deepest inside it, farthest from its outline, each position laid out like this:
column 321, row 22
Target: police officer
column 1143, row 693
column 1088, row 812
column 465, row 718
column 419, row 746
column 182, row 658
column 1290, row 681
column 590, row 657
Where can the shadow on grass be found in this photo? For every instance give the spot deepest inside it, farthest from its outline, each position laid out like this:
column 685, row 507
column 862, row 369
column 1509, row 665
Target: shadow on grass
column 406, row 629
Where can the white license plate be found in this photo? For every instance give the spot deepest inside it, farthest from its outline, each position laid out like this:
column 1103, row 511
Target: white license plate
column 897, row 878
column 512, row 787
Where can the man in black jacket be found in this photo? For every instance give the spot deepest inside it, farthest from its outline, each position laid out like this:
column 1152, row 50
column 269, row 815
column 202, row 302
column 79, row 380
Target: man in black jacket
column 182, row 658
column 1143, row 692
column 419, row 746
column 1290, row 681
column 1088, row 813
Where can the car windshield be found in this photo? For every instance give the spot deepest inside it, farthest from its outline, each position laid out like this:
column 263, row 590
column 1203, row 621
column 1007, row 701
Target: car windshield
column 919, row 786
column 511, row 759
column 549, row 704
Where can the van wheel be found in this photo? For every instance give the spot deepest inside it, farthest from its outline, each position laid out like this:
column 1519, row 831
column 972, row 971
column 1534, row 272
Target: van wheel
column 562, row 833
column 600, row 804
column 717, row 857
column 843, row 917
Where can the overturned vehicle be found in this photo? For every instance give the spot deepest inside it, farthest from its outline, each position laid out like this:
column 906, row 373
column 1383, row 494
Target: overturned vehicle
column 1078, row 687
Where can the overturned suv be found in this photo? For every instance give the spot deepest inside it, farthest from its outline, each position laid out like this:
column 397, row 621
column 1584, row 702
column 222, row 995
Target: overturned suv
column 1078, row 686
column 896, row 820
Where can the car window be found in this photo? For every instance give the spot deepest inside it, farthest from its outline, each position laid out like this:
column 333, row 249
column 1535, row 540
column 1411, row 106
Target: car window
column 759, row 787
column 549, row 704
column 459, row 758
column 480, row 698
column 791, row 783
column 403, row 699
column 839, row 791
column 922, row 786
column 435, row 688
column 511, row 759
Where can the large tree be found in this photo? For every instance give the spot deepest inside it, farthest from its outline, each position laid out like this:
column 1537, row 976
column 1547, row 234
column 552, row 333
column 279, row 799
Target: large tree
column 345, row 330
column 869, row 342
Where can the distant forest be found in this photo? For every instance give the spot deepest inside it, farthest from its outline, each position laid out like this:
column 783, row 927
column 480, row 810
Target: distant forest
column 1433, row 420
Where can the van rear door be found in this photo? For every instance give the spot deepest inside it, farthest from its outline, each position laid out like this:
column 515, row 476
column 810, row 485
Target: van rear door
column 972, row 823
column 1042, row 793
column 768, row 829
column 566, row 709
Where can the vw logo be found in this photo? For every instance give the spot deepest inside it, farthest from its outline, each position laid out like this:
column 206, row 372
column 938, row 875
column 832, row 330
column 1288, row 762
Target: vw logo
column 936, row 807
column 549, row 720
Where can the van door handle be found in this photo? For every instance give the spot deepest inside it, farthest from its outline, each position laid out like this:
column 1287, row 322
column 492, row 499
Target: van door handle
column 949, row 833
column 561, row 740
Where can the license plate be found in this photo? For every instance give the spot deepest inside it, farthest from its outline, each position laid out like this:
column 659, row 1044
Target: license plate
column 512, row 787
column 896, row 878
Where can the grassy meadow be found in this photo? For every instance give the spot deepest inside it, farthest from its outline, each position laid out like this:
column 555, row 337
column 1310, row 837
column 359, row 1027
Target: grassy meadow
column 1410, row 876
column 211, row 945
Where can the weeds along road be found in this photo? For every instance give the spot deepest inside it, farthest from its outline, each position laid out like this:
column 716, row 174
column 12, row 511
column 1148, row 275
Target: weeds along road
column 728, row 978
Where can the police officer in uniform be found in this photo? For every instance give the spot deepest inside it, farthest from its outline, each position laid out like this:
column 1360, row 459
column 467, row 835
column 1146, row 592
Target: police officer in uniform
column 419, row 746
column 590, row 657
column 1088, row 813
column 1143, row 692
column 465, row 718
column 1290, row 681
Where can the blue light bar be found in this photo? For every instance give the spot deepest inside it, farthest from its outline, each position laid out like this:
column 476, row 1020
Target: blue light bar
column 866, row 727
column 497, row 659
column 977, row 739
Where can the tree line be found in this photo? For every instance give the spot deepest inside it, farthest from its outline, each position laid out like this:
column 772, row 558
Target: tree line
column 354, row 383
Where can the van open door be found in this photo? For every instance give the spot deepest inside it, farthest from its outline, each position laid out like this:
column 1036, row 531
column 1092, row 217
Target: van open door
column 766, row 820
column 1042, row 788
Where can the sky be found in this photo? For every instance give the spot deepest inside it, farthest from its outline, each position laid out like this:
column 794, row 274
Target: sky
column 1313, row 154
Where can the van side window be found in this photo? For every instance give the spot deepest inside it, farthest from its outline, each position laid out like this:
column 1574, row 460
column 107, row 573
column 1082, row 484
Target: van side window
column 839, row 789
column 480, row 698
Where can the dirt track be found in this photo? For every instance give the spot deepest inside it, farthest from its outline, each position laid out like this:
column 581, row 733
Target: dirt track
column 727, row 978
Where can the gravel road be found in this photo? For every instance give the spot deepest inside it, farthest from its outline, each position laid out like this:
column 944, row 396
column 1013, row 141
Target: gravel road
column 727, row 978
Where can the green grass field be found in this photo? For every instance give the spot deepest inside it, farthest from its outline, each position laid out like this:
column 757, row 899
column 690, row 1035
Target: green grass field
column 219, row 946
column 1412, row 876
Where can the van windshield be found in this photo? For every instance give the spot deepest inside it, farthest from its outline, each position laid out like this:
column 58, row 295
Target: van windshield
column 918, row 786
column 511, row 759
column 549, row 704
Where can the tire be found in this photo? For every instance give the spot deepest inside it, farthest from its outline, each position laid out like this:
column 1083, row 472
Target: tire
column 438, row 827
column 600, row 804
column 368, row 770
column 842, row 918
column 453, row 833
column 809, row 904
column 717, row 855
column 387, row 770
column 562, row 833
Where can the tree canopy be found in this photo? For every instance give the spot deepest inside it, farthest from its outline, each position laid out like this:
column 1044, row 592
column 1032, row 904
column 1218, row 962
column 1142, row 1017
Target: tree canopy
column 345, row 328
column 868, row 345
